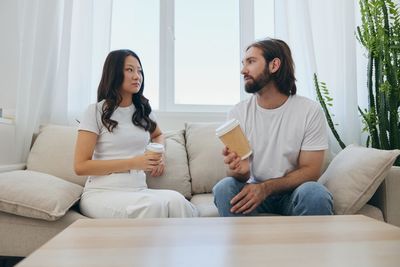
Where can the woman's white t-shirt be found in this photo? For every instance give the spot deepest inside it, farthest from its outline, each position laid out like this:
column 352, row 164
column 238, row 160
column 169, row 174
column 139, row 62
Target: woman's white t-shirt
column 125, row 141
column 278, row 135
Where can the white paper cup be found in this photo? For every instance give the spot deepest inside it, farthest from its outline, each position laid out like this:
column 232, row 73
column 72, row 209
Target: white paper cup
column 233, row 137
column 155, row 148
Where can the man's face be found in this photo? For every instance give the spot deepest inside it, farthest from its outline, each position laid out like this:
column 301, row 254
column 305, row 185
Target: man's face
column 255, row 70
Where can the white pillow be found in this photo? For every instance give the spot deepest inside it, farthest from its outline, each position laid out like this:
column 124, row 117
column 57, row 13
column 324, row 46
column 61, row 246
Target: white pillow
column 37, row 195
column 355, row 174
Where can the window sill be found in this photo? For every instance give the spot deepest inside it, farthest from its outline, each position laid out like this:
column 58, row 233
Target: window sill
column 6, row 121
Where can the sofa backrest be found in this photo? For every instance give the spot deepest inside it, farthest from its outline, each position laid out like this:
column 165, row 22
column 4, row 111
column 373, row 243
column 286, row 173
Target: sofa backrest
column 53, row 153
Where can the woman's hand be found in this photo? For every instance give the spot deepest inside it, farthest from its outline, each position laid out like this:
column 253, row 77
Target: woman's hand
column 147, row 161
column 159, row 169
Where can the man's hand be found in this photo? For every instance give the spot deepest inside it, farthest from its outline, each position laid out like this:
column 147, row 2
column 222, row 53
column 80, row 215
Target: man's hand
column 235, row 163
column 249, row 198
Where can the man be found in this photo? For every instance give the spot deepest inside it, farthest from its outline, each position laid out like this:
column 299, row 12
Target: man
column 288, row 137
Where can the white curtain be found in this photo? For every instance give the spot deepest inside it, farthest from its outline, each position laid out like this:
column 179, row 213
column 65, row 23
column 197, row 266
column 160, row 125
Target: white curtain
column 56, row 62
column 321, row 34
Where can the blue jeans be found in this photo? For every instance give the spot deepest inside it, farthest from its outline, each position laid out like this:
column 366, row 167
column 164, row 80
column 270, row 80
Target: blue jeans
column 310, row 198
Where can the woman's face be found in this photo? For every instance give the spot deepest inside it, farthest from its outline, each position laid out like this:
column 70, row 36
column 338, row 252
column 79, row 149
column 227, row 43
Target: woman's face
column 132, row 76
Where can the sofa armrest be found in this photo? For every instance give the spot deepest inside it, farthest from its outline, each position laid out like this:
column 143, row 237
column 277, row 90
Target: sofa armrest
column 392, row 196
column 12, row 167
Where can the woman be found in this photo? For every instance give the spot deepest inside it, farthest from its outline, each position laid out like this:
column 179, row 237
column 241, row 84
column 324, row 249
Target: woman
column 110, row 148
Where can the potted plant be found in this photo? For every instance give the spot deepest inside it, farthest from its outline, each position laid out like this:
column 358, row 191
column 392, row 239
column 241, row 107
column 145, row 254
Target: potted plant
column 379, row 33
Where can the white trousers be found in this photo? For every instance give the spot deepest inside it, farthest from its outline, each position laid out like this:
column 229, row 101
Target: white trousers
column 141, row 203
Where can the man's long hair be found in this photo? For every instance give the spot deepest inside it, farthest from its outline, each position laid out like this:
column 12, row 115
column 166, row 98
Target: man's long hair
column 284, row 76
column 109, row 90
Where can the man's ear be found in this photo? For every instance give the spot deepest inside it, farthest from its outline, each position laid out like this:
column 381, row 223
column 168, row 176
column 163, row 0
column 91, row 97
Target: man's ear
column 274, row 65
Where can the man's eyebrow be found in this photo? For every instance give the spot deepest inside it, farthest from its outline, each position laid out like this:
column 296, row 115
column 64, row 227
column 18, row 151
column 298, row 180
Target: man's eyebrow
column 247, row 59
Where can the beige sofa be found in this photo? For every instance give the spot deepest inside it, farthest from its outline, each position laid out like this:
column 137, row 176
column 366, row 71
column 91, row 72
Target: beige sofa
column 194, row 165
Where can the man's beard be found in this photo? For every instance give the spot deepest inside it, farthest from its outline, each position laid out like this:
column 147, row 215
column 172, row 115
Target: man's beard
column 256, row 84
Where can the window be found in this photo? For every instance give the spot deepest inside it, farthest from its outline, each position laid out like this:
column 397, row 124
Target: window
column 207, row 61
column 263, row 19
column 191, row 50
column 136, row 26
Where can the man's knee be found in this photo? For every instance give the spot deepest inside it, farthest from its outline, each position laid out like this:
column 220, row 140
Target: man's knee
column 228, row 186
column 223, row 192
column 312, row 198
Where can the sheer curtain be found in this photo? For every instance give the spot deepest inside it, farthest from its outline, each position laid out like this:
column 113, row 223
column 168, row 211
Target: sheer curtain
column 56, row 59
column 321, row 35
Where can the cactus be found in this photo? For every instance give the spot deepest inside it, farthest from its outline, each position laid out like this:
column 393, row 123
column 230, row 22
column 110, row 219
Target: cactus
column 325, row 100
column 379, row 33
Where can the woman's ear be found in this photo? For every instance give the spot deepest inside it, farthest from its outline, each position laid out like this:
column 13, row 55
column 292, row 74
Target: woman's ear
column 274, row 65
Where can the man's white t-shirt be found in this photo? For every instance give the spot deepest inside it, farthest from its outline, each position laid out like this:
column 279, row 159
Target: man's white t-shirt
column 125, row 141
column 278, row 135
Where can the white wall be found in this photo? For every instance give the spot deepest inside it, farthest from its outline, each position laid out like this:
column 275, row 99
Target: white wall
column 8, row 53
column 7, row 144
column 8, row 75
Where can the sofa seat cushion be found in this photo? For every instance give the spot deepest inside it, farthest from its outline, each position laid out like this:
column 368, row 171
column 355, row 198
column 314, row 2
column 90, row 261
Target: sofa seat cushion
column 354, row 175
column 372, row 212
column 20, row 236
column 205, row 205
column 37, row 195
column 176, row 175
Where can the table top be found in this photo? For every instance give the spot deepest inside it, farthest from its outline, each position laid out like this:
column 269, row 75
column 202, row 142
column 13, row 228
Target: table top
column 352, row 240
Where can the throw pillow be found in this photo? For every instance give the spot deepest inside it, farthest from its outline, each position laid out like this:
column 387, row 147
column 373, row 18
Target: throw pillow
column 53, row 153
column 37, row 195
column 354, row 175
column 204, row 149
column 176, row 174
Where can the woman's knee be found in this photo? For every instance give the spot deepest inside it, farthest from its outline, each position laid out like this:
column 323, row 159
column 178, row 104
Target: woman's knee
column 150, row 207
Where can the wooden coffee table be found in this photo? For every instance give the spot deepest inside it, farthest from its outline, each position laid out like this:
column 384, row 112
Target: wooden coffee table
column 248, row 241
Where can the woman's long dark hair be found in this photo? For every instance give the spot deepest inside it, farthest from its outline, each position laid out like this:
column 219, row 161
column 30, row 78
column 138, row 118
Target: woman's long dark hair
column 109, row 90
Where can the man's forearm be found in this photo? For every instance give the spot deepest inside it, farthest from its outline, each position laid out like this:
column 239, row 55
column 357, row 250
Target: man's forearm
column 291, row 181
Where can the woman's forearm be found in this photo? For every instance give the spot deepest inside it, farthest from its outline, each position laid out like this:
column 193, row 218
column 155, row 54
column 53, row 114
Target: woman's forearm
column 103, row 167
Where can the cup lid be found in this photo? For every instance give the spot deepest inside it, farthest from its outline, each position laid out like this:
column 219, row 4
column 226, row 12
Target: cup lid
column 155, row 147
column 226, row 127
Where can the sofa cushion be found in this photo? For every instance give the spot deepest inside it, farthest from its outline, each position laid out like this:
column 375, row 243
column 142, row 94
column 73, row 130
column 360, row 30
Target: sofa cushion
column 354, row 175
column 372, row 212
column 176, row 175
column 53, row 153
column 36, row 195
column 205, row 205
column 204, row 149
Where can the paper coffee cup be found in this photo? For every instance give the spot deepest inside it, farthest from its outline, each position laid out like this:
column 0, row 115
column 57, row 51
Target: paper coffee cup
column 155, row 148
column 233, row 137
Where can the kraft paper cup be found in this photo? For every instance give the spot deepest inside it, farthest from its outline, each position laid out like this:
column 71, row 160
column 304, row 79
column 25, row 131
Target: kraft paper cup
column 233, row 137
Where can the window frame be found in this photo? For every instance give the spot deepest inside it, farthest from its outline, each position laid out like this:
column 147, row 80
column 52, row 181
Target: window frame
column 167, row 56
